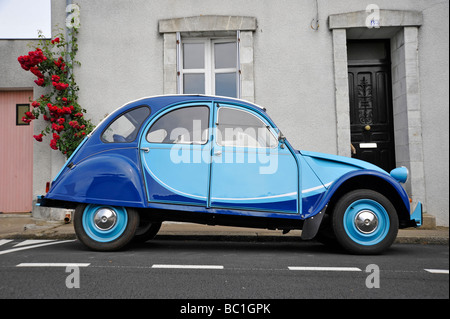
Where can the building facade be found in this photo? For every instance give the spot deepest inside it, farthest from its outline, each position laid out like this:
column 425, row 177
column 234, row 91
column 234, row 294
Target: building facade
column 332, row 75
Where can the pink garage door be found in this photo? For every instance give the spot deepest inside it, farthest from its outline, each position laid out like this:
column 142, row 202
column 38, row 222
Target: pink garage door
column 16, row 153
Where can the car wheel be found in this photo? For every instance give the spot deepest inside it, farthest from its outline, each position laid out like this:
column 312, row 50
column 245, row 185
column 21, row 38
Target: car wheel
column 146, row 231
column 365, row 222
column 104, row 227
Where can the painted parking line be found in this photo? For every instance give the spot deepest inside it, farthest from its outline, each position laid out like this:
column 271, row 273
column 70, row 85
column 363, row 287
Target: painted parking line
column 5, row 241
column 165, row 266
column 217, row 267
column 33, row 242
column 324, row 268
column 53, row 265
column 437, row 271
column 34, row 246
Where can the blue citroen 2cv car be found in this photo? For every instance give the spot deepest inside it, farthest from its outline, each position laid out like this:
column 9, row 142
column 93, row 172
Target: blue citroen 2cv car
column 221, row 161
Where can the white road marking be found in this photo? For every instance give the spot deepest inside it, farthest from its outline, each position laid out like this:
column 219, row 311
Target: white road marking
column 53, row 265
column 324, row 268
column 187, row 266
column 437, row 271
column 34, row 246
column 29, row 244
column 4, row 241
column 33, row 242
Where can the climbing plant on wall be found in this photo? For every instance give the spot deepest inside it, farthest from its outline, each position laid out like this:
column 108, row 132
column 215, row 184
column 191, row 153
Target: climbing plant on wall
column 52, row 62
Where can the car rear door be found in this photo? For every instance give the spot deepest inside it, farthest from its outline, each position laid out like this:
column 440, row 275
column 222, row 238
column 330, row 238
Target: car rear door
column 175, row 153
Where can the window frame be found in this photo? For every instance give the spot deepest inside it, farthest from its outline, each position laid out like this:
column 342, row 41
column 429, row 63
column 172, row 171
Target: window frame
column 20, row 113
column 209, row 70
column 136, row 130
column 263, row 121
column 168, row 133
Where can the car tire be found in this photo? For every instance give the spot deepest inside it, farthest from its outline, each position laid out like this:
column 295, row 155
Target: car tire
column 364, row 222
column 104, row 227
column 146, row 231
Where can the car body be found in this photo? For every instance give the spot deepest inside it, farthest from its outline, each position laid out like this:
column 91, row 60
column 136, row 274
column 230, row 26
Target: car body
column 221, row 161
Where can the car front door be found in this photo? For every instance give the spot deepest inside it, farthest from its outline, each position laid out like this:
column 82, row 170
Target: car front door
column 175, row 151
column 250, row 168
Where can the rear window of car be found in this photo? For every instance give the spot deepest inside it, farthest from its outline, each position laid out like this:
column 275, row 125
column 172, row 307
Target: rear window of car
column 125, row 127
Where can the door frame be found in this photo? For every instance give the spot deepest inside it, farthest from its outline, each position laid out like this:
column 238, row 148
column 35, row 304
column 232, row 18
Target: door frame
column 195, row 200
column 402, row 28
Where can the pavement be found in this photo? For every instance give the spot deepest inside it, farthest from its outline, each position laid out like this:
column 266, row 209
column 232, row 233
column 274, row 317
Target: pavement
column 25, row 226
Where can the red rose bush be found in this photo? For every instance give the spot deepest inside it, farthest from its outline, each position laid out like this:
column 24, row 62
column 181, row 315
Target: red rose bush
column 52, row 63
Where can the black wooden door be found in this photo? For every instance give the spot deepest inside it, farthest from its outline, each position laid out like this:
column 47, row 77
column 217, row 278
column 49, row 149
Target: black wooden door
column 371, row 115
column 371, row 119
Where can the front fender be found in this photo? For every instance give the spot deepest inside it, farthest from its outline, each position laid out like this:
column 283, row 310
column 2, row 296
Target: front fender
column 108, row 178
column 387, row 179
column 347, row 182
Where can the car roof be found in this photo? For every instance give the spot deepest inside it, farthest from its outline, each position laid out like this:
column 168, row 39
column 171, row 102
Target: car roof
column 162, row 101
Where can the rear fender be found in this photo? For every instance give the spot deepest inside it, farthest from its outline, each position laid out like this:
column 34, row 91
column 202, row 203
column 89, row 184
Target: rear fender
column 107, row 178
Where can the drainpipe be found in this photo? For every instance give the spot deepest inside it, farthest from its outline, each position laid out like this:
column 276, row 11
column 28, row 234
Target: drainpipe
column 68, row 36
column 315, row 20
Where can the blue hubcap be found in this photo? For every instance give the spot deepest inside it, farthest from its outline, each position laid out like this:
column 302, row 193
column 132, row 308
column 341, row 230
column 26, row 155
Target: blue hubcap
column 366, row 222
column 104, row 223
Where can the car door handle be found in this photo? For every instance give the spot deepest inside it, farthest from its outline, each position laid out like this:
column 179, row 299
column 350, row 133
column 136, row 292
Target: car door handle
column 145, row 149
column 218, row 153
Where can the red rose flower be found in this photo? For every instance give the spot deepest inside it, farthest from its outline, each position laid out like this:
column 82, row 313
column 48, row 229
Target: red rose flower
column 35, row 71
column 32, row 59
column 24, row 61
column 53, row 144
column 57, row 128
column 25, row 120
column 38, row 137
column 39, row 82
column 74, row 124
column 59, row 62
column 30, row 115
column 60, row 86
column 36, row 57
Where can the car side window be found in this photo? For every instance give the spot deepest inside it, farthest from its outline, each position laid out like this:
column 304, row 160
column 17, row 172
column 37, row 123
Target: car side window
column 125, row 128
column 240, row 128
column 186, row 125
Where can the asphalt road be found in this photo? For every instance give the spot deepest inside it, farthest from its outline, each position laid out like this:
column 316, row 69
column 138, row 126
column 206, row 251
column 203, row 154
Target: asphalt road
column 166, row 269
